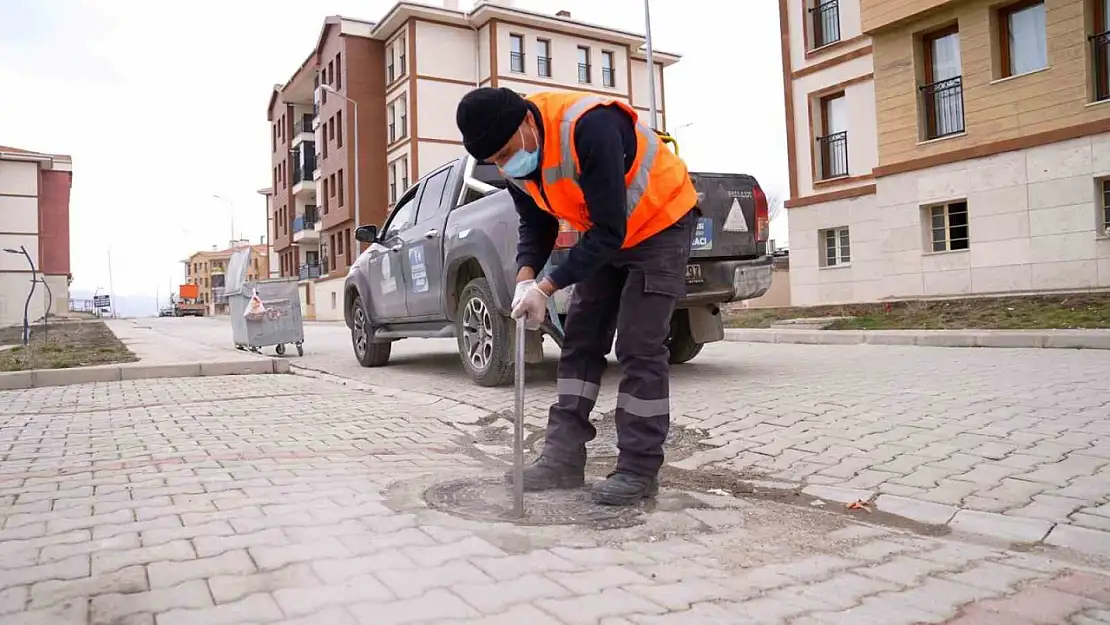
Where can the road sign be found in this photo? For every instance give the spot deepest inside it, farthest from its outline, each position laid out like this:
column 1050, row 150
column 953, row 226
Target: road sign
column 102, row 301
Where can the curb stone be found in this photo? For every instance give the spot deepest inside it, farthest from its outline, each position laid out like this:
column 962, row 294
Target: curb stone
column 1047, row 339
column 39, row 378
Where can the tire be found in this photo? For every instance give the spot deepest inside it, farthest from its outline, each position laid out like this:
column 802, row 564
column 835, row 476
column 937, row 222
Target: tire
column 280, row 349
column 681, row 342
column 484, row 336
column 370, row 354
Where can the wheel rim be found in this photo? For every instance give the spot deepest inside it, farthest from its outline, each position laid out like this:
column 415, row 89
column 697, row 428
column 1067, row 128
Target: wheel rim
column 477, row 334
column 360, row 332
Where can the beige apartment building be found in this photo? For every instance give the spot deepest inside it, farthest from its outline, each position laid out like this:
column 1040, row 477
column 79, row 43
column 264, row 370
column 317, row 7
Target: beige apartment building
column 208, row 270
column 406, row 74
column 946, row 147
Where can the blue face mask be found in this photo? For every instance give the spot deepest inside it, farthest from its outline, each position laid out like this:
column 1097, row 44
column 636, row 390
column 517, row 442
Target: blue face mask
column 522, row 162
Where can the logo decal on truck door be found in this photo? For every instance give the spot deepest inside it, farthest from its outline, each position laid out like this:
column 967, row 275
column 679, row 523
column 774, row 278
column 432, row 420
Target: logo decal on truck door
column 703, row 235
column 388, row 284
column 417, row 269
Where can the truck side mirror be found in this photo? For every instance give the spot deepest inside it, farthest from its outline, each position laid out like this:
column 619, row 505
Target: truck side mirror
column 366, row 234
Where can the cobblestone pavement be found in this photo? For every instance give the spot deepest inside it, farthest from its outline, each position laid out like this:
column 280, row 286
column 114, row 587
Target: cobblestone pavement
column 284, row 499
column 1021, row 434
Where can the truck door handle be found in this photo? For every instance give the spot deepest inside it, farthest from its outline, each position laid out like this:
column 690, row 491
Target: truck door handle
column 431, row 234
column 396, row 247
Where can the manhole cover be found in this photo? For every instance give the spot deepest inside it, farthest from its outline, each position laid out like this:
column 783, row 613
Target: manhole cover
column 490, row 499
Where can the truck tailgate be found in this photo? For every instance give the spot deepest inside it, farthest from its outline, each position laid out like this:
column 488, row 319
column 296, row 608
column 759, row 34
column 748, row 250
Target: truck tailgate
column 729, row 223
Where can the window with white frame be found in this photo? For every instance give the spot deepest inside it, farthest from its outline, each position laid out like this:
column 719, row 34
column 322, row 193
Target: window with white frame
column 404, row 173
column 401, row 49
column 402, row 117
column 392, row 117
column 948, row 226
column 393, row 182
column 837, row 246
column 516, row 54
column 1104, row 205
column 608, row 72
column 543, row 57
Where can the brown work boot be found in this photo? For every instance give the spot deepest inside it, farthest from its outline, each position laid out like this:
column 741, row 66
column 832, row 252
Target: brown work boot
column 625, row 489
column 548, row 474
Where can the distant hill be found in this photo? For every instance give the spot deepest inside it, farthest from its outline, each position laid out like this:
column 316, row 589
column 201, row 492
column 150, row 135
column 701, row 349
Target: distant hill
column 127, row 305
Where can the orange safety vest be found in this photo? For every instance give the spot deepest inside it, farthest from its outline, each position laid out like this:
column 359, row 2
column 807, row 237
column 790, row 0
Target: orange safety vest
column 659, row 188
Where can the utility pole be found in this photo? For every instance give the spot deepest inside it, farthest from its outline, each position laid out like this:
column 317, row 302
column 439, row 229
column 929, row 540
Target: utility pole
column 651, row 65
column 111, row 285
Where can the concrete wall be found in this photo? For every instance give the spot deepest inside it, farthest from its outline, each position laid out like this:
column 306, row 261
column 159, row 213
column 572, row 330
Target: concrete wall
column 1034, row 225
column 328, row 299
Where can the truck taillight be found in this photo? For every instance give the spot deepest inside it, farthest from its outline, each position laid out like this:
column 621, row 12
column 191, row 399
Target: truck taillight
column 568, row 236
column 762, row 215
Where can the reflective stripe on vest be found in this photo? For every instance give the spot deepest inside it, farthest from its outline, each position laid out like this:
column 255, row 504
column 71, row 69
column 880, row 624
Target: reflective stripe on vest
column 566, row 169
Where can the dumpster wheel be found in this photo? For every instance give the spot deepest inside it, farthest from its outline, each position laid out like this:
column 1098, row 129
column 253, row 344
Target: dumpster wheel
column 280, row 349
column 300, row 349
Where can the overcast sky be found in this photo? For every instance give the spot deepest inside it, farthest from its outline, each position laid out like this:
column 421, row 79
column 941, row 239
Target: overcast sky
column 163, row 104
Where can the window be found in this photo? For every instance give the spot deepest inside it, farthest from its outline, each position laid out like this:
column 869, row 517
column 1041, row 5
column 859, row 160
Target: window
column 543, row 57
column 431, row 198
column 1100, row 50
column 402, row 216
column 608, row 78
column 324, row 196
column 1105, row 195
column 949, row 227
column 331, row 129
column 339, row 245
column 404, row 174
column 338, row 72
column 331, row 73
column 333, row 298
column 401, row 55
column 392, row 127
column 838, row 249
column 393, row 182
column 824, row 18
column 390, row 68
column 583, row 64
column 402, row 118
column 516, row 54
column 339, row 129
column 833, row 146
column 339, row 183
column 331, row 184
column 943, row 94
column 1022, row 38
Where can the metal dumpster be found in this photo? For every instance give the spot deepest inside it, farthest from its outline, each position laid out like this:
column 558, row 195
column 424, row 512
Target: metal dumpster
column 265, row 312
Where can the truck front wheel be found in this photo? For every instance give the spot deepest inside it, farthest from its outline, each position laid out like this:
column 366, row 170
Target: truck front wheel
column 485, row 341
column 368, row 353
column 681, row 341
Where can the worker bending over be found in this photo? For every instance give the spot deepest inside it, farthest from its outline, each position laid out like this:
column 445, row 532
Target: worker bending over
column 588, row 160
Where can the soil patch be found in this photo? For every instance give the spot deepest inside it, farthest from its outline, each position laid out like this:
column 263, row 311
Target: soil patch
column 1072, row 312
column 62, row 345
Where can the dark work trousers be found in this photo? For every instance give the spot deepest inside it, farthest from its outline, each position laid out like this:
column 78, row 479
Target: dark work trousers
column 634, row 296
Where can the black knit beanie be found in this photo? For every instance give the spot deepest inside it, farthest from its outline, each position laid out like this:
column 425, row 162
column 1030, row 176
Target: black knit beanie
column 488, row 118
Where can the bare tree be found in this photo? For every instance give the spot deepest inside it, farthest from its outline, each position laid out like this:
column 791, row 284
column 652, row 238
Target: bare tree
column 774, row 206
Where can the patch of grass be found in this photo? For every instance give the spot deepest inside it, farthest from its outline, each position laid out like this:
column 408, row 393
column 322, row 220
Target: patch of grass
column 63, row 346
column 1081, row 311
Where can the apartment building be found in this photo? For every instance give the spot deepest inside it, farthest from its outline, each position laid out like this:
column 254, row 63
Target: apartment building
column 273, row 262
column 208, row 270
column 946, row 147
column 405, row 74
column 34, row 215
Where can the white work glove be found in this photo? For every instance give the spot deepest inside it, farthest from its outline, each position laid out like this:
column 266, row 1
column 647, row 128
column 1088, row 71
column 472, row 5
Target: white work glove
column 529, row 304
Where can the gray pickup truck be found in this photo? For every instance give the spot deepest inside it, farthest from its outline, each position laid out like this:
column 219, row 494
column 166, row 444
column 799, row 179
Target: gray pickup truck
column 444, row 266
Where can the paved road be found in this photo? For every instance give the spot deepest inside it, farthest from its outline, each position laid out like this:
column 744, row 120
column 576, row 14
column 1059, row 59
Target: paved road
column 1022, row 432
column 284, row 499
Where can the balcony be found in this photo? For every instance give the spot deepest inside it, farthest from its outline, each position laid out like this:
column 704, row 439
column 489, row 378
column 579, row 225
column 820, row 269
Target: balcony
column 516, row 62
column 943, row 106
column 543, row 66
column 304, row 226
column 834, row 155
column 1100, row 62
column 608, row 77
column 876, row 15
column 304, row 166
column 584, row 72
column 825, row 20
column 303, row 129
column 309, row 271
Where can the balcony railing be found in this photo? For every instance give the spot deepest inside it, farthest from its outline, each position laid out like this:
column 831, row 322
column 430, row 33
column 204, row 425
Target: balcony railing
column 543, row 66
column 403, row 127
column 390, row 76
column 826, row 22
column 943, row 102
column 584, row 72
column 309, row 271
column 401, row 64
column 305, row 221
column 608, row 77
column 834, row 155
column 304, row 124
column 516, row 62
column 1100, row 60
column 392, row 192
column 392, row 132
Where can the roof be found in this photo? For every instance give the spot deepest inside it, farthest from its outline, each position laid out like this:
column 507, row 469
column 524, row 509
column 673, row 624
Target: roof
column 482, row 13
column 61, row 162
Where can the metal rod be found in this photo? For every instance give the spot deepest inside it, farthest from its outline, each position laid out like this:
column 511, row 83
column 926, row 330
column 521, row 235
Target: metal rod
column 518, row 425
column 651, row 65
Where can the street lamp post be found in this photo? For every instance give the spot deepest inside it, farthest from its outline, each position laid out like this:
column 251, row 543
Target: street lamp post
column 358, row 172
column 650, row 64
column 26, row 305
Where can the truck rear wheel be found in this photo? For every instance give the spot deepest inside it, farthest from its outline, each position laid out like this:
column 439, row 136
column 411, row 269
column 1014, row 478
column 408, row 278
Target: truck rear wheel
column 484, row 338
column 368, row 353
column 681, row 342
